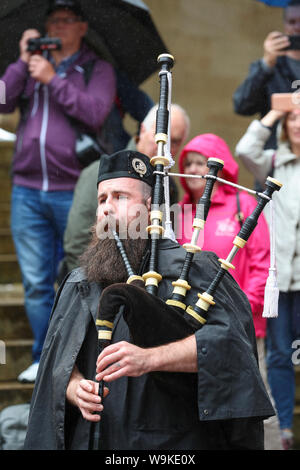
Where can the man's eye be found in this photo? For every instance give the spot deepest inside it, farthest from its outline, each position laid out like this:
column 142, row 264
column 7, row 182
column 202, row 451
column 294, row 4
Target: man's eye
column 121, row 196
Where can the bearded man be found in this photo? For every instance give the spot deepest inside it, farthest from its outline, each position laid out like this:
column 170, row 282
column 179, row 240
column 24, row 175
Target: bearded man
column 222, row 402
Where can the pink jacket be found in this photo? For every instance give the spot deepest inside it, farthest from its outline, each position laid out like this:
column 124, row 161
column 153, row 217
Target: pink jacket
column 252, row 262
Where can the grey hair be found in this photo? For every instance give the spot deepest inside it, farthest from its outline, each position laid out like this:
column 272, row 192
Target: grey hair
column 150, row 118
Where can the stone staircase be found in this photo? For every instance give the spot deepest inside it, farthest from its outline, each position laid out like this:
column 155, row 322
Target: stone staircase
column 15, row 331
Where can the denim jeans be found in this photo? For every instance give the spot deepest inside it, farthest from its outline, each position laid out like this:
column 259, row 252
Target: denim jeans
column 38, row 222
column 281, row 332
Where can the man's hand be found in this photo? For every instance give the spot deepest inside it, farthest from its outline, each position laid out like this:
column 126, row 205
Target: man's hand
column 84, row 394
column 123, row 359
column 88, row 400
column 23, row 44
column 274, row 44
column 40, row 69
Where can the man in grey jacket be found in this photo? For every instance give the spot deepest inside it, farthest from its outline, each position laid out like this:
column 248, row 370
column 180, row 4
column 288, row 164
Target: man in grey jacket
column 51, row 92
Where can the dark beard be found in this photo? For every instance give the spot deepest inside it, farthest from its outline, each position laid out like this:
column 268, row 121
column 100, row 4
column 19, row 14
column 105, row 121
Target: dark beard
column 103, row 262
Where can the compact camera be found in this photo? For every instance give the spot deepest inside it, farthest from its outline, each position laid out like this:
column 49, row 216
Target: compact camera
column 38, row 45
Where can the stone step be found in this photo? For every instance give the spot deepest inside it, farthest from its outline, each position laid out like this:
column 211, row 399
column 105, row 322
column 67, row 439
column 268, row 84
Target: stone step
column 6, row 241
column 11, row 293
column 7, row 150
column 297, row 397
column 13, row 319
column 9, row 269
column 17, row 358
column 6, row 188
column 14, row 323
column 14, row 393
column 5, row 212
column 5, row 171
column 296, row 428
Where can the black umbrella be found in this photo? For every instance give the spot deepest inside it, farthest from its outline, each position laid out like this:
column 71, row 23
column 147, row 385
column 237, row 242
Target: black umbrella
column 121, row 31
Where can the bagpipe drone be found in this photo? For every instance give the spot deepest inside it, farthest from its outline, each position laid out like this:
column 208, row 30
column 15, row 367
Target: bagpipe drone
column 151, row 320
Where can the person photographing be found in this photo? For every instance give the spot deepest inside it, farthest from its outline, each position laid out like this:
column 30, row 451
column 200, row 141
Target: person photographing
column 51, row 92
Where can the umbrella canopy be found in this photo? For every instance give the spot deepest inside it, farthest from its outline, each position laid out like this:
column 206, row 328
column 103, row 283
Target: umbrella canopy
column 275, row 3
column 120, row 31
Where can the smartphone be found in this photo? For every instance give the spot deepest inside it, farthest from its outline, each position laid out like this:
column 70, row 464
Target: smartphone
column 294, row 43
column 285, row 101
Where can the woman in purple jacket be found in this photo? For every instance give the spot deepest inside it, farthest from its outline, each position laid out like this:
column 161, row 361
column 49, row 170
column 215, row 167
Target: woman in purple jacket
column 45, row 167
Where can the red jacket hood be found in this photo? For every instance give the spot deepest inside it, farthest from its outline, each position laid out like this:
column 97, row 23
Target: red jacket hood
column 211, row 146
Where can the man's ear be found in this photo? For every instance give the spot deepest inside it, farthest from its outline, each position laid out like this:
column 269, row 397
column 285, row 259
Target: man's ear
column 84, row 28
column 142, row 129
column 148, row 203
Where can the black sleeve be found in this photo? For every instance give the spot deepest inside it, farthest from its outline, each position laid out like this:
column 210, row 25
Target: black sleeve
column 251, row 97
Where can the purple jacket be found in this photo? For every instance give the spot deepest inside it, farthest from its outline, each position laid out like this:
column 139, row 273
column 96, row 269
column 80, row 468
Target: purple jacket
column 45, row 149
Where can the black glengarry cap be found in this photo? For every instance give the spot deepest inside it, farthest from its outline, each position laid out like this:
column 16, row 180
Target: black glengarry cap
column 126, row 164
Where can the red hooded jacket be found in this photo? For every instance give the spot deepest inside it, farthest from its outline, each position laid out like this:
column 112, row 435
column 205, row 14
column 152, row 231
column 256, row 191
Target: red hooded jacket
column 251, row 262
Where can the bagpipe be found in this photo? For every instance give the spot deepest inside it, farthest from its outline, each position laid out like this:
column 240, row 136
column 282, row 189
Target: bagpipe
column 151, row 320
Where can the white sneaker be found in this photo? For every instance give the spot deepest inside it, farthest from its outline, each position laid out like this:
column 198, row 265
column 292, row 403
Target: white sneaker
column 29, row 375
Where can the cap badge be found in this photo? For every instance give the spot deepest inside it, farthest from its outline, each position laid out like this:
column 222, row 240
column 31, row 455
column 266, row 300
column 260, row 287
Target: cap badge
column 139, row 166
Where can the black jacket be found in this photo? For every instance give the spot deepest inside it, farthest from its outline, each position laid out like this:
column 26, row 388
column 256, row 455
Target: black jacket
column 254, row 94
column 226, row 400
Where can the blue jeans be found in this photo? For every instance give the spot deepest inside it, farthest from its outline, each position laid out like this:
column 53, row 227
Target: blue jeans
column 281, row 332
column 38, row 222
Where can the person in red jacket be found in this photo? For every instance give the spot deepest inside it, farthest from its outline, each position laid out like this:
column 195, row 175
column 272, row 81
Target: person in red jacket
column 229, row 207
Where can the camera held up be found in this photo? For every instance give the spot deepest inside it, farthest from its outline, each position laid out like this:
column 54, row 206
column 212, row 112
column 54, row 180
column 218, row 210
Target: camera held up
column 38, row 45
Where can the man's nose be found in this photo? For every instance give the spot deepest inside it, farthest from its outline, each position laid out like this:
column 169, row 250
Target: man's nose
column 105, row 209
column 108, row 208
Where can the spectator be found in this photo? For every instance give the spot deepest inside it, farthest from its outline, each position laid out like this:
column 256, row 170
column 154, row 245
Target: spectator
column 275, row 72
column 51, row 91
column 229, row 207
column 83, row 211
column 283, row 330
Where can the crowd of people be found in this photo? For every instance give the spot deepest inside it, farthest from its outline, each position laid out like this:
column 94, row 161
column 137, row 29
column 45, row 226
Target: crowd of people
column 229, row 384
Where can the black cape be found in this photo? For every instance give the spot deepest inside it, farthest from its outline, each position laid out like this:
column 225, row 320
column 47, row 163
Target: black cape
column 226, row 402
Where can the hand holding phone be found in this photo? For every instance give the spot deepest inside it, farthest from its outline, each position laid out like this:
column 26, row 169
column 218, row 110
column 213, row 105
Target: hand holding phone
column 285, row 101
column 274, row 46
